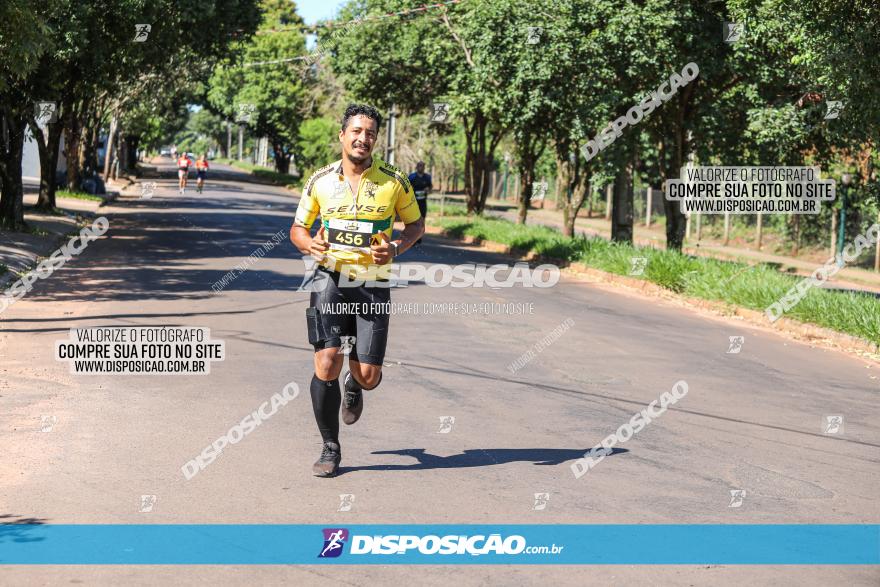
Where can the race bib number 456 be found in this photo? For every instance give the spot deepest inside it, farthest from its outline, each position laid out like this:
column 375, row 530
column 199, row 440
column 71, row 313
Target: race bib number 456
column 349, row 235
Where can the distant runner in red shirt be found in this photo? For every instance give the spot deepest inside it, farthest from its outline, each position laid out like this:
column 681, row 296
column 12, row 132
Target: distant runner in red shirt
column 201, row 171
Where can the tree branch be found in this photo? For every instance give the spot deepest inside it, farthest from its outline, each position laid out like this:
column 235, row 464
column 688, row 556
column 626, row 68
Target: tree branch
column 467, row 52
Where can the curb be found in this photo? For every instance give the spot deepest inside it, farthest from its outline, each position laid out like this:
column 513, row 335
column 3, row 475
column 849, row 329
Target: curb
column 126, row 182
column 130, row 190
column 11, row 277
column 111, row 197
column 710, row 251
column 800, row 331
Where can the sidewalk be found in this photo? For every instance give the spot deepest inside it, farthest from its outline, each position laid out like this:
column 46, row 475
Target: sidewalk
column 20, row 251
column 847, row 278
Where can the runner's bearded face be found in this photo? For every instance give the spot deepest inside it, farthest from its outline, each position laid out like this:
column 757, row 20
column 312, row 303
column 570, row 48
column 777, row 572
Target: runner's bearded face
column 358, row 138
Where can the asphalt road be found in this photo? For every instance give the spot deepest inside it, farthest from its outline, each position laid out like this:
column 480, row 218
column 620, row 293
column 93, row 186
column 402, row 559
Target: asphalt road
column 751, row 421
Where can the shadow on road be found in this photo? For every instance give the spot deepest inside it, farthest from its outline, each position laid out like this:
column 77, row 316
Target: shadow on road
column 16, row 529
column 478, row 457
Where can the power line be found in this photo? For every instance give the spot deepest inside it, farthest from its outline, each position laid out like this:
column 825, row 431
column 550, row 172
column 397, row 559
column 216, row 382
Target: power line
column 332, row 24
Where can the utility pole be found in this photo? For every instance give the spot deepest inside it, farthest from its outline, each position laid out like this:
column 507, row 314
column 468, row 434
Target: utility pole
column 760, row 229
column 726, row 227
column 608, row 195
column 264, row 151
column 506, row 170
column 873, row 176
column 841, row 225
column 833, row 233
column 392, row 115
column 240, row 140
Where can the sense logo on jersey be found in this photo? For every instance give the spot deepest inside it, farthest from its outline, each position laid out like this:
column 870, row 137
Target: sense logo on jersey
column 334, row 540
column 352, row 209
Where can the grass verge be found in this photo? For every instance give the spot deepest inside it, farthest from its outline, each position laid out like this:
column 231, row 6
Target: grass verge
column 449, row 209
column 754, row 287
column 269, row 175
column 78, row 195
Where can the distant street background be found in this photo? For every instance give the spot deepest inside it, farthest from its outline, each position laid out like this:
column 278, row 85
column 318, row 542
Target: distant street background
column 553, row 131
column 752, row 421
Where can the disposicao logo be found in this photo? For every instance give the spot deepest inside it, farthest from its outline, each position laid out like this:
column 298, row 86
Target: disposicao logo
column 334, row 540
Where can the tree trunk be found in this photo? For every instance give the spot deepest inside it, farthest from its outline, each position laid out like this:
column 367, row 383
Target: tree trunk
column 11, row 202
column 90, row 150
column 284, row 163
column 488, row 161
column 528, row 156
column 478, row 158
column 108, row 149
column 567, row 221
column 47, row 145
column 88, row 144
column 574, row 182
column 131, row 144
column 563, row 198
column 120, row 160
column 72, row 139
column 282, row 160
column 675, row 218
column 468, row 156
column 479, row 172
column 526, row 178
column 622, row 205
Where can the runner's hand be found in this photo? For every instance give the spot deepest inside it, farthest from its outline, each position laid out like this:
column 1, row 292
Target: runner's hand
column 319, row 246
column 382, row 252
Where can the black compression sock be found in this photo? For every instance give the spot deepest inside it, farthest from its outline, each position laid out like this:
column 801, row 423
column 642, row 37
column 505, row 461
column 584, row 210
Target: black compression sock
column 326, row 399
column 351, row 384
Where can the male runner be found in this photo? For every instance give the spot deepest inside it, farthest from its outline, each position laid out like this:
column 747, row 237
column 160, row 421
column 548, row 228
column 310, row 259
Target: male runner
column 201, row 171
column 357, row 198
column 421, row 183
column 183, row 164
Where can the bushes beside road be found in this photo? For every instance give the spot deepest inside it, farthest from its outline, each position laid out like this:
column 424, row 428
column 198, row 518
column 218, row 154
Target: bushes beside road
column 754, row 287
column 268, row 175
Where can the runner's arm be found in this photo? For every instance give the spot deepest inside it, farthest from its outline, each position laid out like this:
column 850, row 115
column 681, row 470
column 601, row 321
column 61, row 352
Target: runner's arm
column 306, row 212
column 302, row 240
column 412, row 231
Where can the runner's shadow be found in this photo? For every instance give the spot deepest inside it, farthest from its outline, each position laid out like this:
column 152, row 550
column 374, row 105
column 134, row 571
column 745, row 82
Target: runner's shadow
column 19, row 529
column 477, row 457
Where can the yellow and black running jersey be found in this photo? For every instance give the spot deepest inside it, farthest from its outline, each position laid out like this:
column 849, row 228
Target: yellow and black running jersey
column 352, row 221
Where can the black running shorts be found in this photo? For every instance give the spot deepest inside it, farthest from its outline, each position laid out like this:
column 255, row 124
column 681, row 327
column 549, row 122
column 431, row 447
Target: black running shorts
column 362, row 312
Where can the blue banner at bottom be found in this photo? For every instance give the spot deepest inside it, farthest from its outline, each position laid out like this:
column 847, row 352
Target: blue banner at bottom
column 252, row 544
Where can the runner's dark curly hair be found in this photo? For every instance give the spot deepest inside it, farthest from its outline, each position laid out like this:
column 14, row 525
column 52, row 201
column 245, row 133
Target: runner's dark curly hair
column 361, row 110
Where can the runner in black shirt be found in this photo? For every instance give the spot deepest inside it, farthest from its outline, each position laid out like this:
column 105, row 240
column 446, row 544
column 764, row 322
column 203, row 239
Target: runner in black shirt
column 421, row 184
